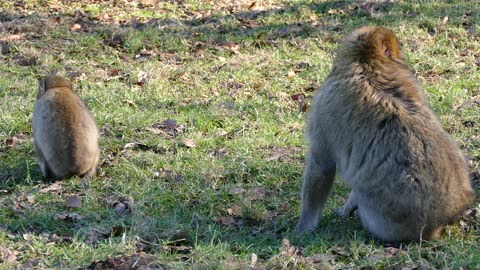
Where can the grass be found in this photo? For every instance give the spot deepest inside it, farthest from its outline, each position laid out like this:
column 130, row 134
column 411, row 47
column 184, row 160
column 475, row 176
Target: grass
column 220, row 70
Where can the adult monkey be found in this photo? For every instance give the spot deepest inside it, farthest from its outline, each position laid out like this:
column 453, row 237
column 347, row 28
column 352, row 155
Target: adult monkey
column 371, row 122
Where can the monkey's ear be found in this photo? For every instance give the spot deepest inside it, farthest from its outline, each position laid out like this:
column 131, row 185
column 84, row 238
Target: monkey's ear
column 391, row 46
column 386, row 51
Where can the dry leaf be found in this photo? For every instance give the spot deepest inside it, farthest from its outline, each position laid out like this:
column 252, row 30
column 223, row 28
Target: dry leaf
column 75, row 27
column 189, row 143
column 300, row 98
column 336, row 12
column 302, row 105
column 341, row 251
column 256, row 193
column 168, row 127
column 5, row 47
column 279, row 153
column 31, row 199
column 291, row 74
column 17, row 138
column 232, row 46
column 302, row 65
column 313, row 87
column 26, row 61
column 6, row 255
column 68, row 217
column 322, row 258
column 169, row 124
column 257, row 85
column 287, row 248
column 74, row 202
column 234, row 210
column 471, row 216
column 103, row 17
column 116, row 74
column 199, row 52
column 122, row 205
column 183, row 249
column 148, row 3
column 136, row 146
column 393, row 251
column 27, row 237
column 218, row 153
column 77, row 75
column 120, row 208
column 84, row 184
column 269, row 215
column 12, row 37
column 104, row 130
column 94, row 236
column 180, row 249
column 141, row 78
column 247, row 23
column 297, row 96
column 130, row 102
column 253, row 260
column 55, row 187
column 118, row 230
column 145, row 54
column 445, row 20
column 235, row 190
column 139, row 260
column 31, row 264
column 226, row 220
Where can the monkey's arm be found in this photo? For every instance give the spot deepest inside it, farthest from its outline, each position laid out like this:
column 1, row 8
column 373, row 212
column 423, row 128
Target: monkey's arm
column 317, row 182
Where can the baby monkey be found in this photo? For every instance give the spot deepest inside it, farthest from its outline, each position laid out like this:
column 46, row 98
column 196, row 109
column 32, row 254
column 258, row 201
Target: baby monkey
column 64, row 132
column 371, row 123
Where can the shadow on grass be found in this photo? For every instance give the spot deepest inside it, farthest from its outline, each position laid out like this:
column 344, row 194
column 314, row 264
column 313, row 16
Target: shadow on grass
column 195, row 30
column 18, row 171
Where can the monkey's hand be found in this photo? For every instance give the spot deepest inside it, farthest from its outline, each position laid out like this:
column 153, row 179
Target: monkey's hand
column 348, row 208
column 345, row 212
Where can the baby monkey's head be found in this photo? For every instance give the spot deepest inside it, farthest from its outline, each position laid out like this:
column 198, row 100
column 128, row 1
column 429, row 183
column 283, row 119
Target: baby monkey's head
column 51, row 82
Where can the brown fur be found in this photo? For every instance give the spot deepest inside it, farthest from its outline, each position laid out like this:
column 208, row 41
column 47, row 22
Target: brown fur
column 371, row 122
column 65, row 134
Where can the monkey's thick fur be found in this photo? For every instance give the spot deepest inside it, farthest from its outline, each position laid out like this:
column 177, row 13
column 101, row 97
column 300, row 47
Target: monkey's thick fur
column 64, row 133
column 371, row 122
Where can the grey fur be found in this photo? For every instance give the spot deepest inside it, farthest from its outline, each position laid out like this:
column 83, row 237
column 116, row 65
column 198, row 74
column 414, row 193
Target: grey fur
column 371, row 123
column 64, row 132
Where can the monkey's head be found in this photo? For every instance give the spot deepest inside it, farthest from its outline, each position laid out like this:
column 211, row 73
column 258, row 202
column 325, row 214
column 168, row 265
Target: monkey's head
column 53, row 81
column 371, row 43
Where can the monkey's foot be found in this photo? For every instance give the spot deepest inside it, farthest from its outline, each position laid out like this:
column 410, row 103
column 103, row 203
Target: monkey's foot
column 305, row 225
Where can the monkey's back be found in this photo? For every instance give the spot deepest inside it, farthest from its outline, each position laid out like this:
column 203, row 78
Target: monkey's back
column 391, row 149
column 65, row 133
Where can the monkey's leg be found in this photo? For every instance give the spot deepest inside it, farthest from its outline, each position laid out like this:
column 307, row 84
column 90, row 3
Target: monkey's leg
column 317, row 182
column 91, row 173
column 435, row 233
column 93, row 170
column 347, row 209
column 46, row 172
